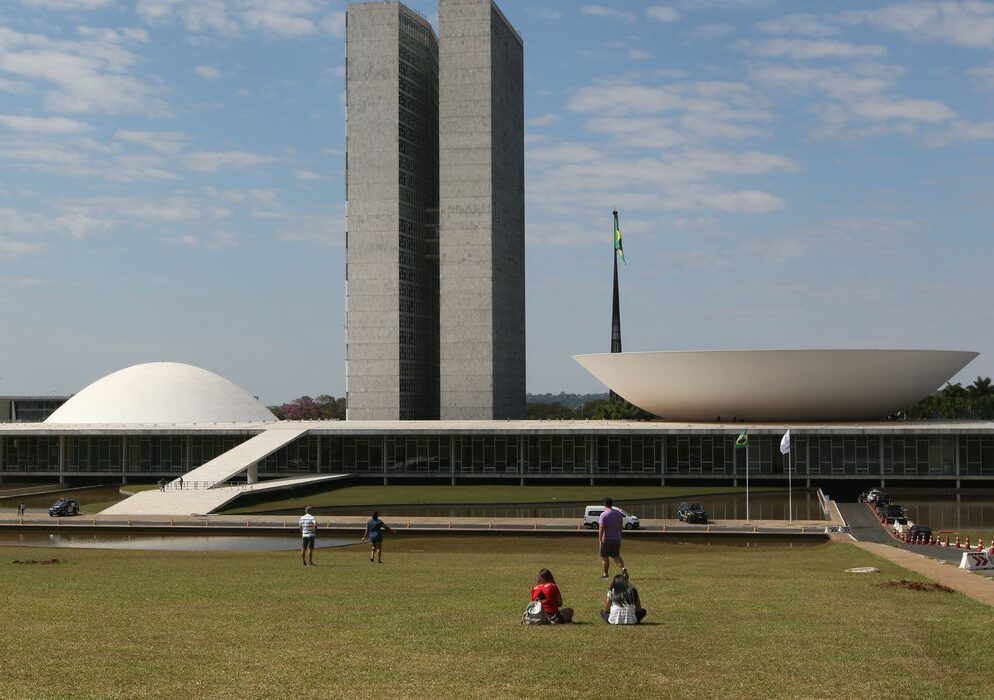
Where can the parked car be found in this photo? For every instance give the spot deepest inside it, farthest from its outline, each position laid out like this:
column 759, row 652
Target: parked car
column 902, row 525
column 876, row 497
column 592, row 514
column 64, row 507
column 919, row 532
column 892, row 512
column 691, row 513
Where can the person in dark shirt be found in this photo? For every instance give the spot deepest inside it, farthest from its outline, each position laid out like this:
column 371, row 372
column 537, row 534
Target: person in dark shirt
column 374, row 533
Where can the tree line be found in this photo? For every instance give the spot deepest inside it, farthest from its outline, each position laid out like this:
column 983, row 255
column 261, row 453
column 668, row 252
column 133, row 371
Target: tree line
column 326, row 407
column 954, row 402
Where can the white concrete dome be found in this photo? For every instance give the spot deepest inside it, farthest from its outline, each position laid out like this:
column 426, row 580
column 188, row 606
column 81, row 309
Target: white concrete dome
column 162, row 392
column 776, row 385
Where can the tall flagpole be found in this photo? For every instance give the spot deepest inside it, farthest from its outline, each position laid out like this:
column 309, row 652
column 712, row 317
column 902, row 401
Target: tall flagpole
column 747, row 479
column 616, row 306
column 790, row 485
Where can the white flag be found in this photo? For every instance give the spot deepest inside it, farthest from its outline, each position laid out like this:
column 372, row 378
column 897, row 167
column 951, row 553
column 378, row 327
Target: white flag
column 785, row 443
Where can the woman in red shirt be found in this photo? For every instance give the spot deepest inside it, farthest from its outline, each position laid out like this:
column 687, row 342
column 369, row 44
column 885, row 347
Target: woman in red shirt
column 547, row 591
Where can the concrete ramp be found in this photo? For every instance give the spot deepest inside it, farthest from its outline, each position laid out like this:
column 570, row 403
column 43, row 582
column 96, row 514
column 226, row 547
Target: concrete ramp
column 205, row 489
column 241, row 457
column 204, row 501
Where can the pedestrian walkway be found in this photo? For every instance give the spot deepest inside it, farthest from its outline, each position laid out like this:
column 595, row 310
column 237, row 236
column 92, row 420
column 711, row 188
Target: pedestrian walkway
column 202, row 501
column 869, row 534
column 970, row 584
column 204, row 489
column 243, row 456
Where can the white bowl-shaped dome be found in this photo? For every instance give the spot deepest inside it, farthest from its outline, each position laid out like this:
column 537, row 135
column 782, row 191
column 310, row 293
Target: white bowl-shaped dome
column 162, row 392
column 776, row 385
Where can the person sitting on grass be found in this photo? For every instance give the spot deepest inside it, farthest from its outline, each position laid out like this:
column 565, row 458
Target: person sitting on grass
column 547, row 592
column 622, row 605
column 374, row 532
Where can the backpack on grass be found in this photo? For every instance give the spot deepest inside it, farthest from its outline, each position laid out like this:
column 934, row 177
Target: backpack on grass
column 534, row 615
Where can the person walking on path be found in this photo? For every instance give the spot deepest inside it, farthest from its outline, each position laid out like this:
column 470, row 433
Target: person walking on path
column 609, row 534
column 308, row 531
column 374, row 533
column 20, row 509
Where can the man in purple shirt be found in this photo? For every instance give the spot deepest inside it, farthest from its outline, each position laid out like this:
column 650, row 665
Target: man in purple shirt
column 609, row 530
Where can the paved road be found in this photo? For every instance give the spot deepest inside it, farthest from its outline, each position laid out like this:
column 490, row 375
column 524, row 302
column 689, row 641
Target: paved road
column 864, row 524
column 866, row 527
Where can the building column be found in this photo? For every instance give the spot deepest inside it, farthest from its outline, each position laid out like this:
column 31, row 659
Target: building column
column 880, row 442
column 124, row 454
column 252, row 473
column 62, row 460
column 957, row 461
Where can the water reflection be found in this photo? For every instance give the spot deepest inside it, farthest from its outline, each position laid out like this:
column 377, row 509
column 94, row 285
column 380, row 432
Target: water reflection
column 762, row 506
column 948, row 510
column 171, row 543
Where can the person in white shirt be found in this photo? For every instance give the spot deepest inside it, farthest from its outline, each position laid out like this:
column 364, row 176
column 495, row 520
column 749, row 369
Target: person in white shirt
column 308, row 529
column 622, row 605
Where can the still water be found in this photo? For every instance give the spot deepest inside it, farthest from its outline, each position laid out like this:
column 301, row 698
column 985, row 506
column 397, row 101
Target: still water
column 948, row 509
column 171, row 543
column 762, row 506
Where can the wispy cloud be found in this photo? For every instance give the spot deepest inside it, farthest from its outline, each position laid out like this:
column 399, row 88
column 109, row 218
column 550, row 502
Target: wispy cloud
column 67, row 5
column 207, row 72
column 161, row 141
column 609, row 12
column 544, row 120
column 799, row 25
column 962, row 22
column 288, row 19
column 212, row 161
column 89, row 74
column 662, row 13
column 804, row 49
column 43, row 125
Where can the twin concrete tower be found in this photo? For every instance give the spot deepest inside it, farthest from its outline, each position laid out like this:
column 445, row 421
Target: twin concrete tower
column 435, row 198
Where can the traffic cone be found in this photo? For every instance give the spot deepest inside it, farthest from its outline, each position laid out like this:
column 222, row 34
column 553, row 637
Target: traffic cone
column 980, row 543
column 968, row 543
column 957, row 542
column 947, row 541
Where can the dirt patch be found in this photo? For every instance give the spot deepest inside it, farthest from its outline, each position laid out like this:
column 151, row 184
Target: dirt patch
column 925, row 586
column 36, row 561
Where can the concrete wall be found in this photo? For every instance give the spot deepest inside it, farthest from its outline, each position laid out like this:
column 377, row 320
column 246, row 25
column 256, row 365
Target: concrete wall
column 380, row 385
column 481, row 213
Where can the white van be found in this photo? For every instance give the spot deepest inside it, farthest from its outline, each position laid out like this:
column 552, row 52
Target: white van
column 592, row 514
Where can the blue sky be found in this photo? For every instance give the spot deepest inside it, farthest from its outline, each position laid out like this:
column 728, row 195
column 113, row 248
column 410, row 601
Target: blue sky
column 789, row 174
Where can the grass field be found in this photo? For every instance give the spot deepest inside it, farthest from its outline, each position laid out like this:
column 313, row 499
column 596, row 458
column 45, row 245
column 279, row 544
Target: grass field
column 489, row 494
column 439, row 619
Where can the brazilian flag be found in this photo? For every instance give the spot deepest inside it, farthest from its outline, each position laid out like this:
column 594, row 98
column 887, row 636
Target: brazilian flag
column 617, row 239
column 743, row 439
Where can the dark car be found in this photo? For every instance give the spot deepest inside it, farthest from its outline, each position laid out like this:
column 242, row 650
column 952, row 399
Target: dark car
column 692, row 513
column 64, row 507
column 892, row 512
column 919, row 533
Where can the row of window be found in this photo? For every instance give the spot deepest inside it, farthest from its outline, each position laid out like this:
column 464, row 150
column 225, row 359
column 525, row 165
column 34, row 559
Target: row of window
column 146, row 453
column 680, row 454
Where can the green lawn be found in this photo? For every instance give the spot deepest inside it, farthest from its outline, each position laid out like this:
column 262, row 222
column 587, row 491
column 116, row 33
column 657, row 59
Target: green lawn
column 439, row 619
column 374, row 496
